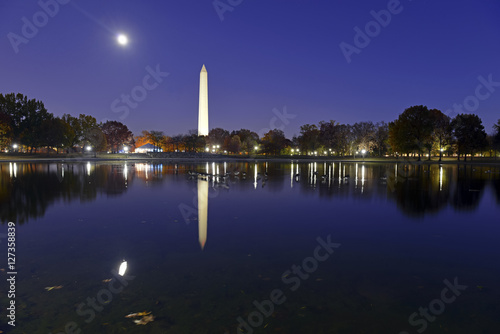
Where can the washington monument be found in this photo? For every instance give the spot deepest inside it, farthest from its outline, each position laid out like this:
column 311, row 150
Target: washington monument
column 203, row 106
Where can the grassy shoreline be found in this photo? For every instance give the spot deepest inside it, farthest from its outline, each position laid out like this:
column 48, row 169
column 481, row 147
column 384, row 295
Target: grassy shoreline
column 20, row 157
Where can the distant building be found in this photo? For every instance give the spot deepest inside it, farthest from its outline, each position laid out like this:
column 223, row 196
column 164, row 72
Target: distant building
column 148, row 148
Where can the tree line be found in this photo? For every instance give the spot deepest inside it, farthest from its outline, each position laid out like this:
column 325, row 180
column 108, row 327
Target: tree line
column 416, row 132
column 26, row 123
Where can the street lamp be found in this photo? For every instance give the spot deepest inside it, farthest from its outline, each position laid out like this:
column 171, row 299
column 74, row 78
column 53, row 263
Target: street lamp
column 125, row 148
column 14, row 147
column 363, row 153
column 89, row 148
column 441, row 150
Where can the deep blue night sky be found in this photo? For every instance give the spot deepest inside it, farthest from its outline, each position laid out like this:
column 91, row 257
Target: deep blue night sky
column 265, row 55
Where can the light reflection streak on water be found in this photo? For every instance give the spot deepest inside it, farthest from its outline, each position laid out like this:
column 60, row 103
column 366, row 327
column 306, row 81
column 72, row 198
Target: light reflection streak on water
column 13, row 169
column 340, row 168
column 315, row 169
column 362, row 178
column 331, row 172
column 255, row 176
column 309, row 173
column 440, row 178
column 311, row 170
column 356, row 177
column 215, row 171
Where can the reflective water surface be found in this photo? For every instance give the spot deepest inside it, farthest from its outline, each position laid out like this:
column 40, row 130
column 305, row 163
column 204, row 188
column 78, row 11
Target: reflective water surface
column 253, row 247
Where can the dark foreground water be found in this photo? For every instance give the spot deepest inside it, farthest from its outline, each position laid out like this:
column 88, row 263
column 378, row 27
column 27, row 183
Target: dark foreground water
column 278, row 248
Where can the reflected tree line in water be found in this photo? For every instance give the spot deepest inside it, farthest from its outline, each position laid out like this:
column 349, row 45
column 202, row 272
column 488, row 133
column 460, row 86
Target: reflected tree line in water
column 432, row 188
column 28, row 189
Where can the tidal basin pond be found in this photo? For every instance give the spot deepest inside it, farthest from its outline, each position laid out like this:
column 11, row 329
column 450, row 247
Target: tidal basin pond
column 252, row 247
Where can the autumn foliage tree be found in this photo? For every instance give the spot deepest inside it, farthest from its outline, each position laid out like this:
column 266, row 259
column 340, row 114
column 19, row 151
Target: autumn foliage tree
column 248, row 139
column 274, row 141
column 217, row 136
column 6, row 132
column 117, row 135
column 309, row 139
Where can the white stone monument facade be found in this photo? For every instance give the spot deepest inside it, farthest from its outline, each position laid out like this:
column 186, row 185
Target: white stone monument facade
column 203, row 105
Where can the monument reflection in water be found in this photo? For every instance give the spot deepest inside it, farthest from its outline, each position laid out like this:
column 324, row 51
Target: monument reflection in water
column 202, row 211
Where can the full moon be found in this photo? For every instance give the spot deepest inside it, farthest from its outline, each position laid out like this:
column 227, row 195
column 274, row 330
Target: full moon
column 122, row 39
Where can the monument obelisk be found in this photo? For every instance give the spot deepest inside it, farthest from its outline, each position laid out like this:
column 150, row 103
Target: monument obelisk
column 203, row 105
